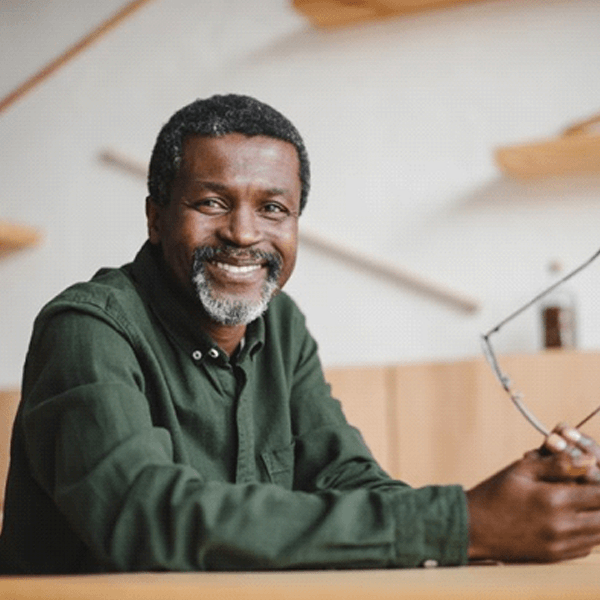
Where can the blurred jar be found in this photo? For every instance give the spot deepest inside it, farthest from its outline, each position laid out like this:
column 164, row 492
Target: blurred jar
column 558, row 313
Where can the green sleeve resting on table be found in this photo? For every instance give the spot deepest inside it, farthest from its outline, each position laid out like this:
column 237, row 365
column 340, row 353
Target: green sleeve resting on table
column 140, row 445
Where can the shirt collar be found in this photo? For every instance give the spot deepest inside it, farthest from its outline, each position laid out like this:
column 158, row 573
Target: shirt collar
column 150, row 273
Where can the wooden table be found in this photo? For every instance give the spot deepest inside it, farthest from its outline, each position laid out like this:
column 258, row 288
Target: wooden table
column 579, row 579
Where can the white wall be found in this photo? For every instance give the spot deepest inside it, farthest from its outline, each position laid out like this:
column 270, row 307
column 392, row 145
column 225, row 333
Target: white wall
column 400, row 117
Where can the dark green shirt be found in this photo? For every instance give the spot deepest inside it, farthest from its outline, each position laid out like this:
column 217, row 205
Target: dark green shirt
column 141, row 445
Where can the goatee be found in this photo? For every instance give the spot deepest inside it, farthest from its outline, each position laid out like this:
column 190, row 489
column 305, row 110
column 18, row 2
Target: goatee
column 230, row 310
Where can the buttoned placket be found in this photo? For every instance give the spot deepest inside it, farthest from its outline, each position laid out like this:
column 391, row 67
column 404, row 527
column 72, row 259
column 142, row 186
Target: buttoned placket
column 246, row 465
column 233, row 380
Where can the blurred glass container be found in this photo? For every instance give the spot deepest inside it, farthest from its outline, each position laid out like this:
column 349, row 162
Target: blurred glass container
column 558, row 313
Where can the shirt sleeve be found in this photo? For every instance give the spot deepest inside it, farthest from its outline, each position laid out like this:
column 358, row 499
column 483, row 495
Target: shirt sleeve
column 93, row 448
column 431, row 523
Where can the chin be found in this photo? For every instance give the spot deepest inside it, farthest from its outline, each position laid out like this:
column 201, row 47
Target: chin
column 232, row 310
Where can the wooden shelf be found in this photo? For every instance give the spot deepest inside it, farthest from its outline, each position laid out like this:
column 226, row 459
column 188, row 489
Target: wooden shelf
column 562, row 156
column 336, row 13
column 575, row 152
column 16, row 237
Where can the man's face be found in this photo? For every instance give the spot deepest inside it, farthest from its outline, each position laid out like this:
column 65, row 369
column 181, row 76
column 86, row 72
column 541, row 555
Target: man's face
column 229, row 234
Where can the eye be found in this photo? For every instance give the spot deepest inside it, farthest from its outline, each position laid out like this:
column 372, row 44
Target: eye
column 209, row 206
column 275, row 210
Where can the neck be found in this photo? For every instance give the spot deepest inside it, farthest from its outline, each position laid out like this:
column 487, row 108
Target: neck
column 228, row 337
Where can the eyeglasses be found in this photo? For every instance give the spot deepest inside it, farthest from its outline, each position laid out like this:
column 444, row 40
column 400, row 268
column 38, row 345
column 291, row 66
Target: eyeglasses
column 488, row 351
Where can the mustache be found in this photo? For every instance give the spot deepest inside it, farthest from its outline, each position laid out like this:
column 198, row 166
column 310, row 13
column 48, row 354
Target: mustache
column 272, row 260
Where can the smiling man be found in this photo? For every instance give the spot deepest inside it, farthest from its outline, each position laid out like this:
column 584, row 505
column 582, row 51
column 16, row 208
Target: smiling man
column 229, row 229
column 175, row 415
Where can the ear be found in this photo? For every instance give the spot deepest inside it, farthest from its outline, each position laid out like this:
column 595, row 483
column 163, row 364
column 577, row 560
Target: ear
column 153, row 214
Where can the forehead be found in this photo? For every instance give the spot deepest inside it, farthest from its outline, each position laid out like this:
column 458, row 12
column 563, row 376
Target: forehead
column 239, row 155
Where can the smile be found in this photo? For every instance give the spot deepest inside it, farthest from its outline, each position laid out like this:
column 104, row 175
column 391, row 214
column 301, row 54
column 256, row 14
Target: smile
column 238, row 269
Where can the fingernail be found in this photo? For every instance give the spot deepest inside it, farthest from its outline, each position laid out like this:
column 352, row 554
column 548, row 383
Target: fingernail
column 556, row 442
column 575, row 452
column 585, row 441
column 572, row 434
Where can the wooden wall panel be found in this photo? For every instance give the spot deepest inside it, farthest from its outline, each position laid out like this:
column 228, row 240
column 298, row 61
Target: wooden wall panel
column 365, row 394
column 8, row 409
column 457, row 425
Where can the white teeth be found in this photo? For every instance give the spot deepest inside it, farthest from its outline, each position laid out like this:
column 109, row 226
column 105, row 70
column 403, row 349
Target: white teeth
column 237, row 269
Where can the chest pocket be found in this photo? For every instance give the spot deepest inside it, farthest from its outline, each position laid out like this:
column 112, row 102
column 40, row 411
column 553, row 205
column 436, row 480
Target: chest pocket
column 280, row 465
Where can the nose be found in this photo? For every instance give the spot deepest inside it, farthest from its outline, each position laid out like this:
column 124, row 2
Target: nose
column 241, row 227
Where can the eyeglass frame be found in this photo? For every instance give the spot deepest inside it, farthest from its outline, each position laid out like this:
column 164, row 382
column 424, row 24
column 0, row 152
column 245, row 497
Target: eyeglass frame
column 488, row 351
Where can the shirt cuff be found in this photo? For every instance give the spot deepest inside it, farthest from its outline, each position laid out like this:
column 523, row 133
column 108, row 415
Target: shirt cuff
column 431, row 527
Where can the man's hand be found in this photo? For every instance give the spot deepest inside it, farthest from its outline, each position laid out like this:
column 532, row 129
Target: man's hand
column 543, row 508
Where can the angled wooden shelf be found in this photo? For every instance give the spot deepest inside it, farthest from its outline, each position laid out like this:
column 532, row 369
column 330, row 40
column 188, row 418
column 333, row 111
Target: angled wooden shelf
column 575, row 152
column 337, row 13
column 16, row 237
column 568, row 155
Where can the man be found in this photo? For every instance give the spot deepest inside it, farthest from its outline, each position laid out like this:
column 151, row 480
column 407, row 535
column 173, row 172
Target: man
column 175, row 414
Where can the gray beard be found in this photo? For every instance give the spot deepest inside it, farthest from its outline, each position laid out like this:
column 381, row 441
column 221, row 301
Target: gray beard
column 230, row 310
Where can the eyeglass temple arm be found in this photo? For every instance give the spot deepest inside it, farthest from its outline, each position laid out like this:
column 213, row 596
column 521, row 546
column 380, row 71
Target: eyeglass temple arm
column 489, row 352
column 517, row 401
column 516, row 398
column 592, row 414
column 542, row 294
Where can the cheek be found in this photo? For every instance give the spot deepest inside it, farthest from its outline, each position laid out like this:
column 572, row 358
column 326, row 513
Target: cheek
column 191, row 234
column 288, row 247
column 178, row 259
column 181, row 253
column 287, row 235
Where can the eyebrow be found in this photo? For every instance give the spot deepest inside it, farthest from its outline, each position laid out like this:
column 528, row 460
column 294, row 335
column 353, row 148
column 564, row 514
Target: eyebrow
column 277, row 192
column 220, row 187
column 210, row 185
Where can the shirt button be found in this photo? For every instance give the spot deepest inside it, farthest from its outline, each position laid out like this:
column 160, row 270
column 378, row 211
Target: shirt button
column 430, row 563
column 196, row 355
column 213, row 352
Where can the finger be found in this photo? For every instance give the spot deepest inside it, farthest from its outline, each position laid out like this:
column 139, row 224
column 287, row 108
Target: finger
column 570, row 465
column 577, row 464
column 577, row 438
column 577, row 549
column 583, row 499
column 578, row 443
column 587, row 444
column 555, row 443
column 582, row 466
column 585, row 540
column 559, row 460
column 576, row 535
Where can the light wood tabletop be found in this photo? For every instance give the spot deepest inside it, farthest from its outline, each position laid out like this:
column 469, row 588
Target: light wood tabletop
column 578, row 579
